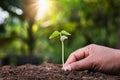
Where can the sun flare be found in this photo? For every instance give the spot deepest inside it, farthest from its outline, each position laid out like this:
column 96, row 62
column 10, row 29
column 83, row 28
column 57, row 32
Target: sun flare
column 43, row 8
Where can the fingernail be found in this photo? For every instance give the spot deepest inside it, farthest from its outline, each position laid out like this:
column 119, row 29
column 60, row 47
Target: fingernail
column 67, row 68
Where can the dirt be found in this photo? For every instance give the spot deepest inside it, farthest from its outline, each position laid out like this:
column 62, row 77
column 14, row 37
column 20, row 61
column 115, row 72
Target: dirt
column 49, row 71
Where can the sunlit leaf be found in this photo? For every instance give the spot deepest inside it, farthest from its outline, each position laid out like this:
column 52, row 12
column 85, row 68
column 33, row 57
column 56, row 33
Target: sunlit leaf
column 54, row 34
column 65, row 32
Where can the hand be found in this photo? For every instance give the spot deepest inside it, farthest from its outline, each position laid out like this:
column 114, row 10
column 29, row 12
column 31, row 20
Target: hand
column 94, row 57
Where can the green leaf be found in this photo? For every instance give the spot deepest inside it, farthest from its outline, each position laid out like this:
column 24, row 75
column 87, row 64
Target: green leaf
column 65, row 32
column 54, row 34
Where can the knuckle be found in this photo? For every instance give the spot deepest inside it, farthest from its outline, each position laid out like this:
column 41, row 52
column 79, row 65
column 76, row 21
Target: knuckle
column 72, row 55
column 92, row 45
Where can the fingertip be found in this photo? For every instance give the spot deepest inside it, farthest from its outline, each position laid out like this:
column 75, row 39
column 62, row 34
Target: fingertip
column 67, row 68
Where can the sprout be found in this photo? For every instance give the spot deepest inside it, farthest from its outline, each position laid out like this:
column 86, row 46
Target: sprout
column 63, row 35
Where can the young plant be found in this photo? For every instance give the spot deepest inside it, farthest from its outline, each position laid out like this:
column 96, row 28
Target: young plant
column 63, row 35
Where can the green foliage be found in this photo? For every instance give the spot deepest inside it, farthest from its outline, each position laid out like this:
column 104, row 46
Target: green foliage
column 65, row 32
column 57, row 33
column 54, row 34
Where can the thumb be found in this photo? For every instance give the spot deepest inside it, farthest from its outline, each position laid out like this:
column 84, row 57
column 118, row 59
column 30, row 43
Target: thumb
column 79, row 65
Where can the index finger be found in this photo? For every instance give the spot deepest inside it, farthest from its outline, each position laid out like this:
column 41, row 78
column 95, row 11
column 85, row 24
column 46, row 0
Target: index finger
column 77, row 55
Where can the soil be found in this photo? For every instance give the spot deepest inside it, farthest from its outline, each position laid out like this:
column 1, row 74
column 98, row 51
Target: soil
column 49, row 71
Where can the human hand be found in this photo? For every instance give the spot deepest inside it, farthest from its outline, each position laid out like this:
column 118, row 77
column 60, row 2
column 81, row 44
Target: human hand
column 94, row 57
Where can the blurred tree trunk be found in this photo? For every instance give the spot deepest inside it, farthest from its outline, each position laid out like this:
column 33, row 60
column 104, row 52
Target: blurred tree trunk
column 118, row 34
column 31, row 39
column 29, row 12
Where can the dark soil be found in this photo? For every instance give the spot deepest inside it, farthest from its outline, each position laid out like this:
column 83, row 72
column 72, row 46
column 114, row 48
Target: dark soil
column 50, row 72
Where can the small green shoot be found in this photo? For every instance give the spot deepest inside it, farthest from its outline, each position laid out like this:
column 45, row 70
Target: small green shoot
column 63, row 35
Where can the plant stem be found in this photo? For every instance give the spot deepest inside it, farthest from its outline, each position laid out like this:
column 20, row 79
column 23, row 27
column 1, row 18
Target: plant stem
column 62, row 52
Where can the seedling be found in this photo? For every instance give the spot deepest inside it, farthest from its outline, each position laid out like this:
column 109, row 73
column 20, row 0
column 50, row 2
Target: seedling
column 63, row 35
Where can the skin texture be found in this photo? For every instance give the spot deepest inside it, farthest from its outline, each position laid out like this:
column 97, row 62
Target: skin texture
column 96, row 58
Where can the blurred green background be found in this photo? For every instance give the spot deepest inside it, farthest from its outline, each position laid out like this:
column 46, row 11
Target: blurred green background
column 25, row 26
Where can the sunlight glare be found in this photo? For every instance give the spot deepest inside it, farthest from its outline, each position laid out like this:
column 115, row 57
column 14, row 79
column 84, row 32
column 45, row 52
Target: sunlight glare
column 43, row 8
